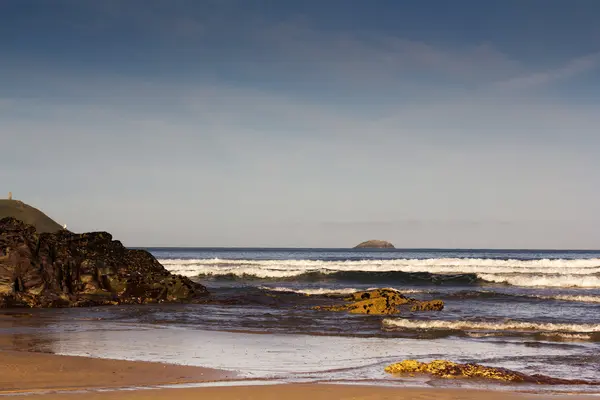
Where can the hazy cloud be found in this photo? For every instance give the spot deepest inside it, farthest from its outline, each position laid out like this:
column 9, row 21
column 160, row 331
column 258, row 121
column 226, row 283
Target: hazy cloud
column 277, row 131
column 571, row 69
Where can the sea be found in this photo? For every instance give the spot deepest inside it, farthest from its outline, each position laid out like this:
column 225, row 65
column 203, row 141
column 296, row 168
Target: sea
column 533, row 311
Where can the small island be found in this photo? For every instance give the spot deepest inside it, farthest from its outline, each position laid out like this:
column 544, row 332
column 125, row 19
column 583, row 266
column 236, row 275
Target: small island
column 375, row 244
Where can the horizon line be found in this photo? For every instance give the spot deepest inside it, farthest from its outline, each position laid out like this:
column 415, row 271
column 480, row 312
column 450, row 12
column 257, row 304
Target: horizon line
column 362, row 249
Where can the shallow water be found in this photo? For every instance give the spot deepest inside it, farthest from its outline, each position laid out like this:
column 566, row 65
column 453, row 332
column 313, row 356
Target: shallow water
column 541, row 300
column 263, row 324
column 291, row 358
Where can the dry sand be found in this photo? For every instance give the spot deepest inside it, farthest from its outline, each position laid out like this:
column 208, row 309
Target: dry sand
column 22, row 373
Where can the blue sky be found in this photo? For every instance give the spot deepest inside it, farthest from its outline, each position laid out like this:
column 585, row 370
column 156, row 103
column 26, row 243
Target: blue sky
column 280, row 123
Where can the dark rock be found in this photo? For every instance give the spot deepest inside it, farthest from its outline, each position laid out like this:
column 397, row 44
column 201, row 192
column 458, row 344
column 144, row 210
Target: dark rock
column 375, row 244
column 64, row 269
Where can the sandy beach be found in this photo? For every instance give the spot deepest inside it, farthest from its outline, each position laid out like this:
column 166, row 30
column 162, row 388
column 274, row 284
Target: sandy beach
column 34, row 372
column 298, row 392
column 46, row 376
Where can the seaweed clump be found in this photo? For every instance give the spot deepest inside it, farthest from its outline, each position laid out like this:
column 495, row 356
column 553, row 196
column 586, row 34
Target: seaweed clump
column 448, row 370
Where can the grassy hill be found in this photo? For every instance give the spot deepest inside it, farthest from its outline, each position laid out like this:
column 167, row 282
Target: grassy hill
column 30, row 215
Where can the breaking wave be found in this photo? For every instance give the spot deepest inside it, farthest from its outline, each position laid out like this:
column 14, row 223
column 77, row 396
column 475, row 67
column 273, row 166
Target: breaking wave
column 489, row 326
column 544, row 280
column 579, row 273
column 570, row 337
column 488, row 294
column 462, row 294
column 311, row 292
column 389, row 277
column 568, row 297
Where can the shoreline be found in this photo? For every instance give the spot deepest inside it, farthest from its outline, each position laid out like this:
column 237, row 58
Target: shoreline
column 47, row 376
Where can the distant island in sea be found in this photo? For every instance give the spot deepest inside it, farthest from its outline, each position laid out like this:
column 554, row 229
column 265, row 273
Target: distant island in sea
column 375, row 244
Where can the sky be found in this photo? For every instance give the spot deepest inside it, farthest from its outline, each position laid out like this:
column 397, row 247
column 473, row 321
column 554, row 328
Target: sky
column 278, row 123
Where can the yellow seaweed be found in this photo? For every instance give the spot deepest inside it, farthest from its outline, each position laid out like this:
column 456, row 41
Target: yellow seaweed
column 448, row 369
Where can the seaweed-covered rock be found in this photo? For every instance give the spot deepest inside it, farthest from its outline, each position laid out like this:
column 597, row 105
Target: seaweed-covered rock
column 64, row 269
column 433, row 305
column 375, row 302
column 381, row 302
column 448, row 369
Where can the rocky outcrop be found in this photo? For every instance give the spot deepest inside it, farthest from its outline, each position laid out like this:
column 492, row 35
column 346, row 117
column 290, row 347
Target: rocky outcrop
column 375, row 302
column 375, row 244
column 380, row 302
column 433, row 305
column 449, row 369
column 64, row 269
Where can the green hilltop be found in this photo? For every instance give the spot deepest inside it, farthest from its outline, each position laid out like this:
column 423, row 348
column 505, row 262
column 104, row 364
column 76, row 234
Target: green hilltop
column 30, row 215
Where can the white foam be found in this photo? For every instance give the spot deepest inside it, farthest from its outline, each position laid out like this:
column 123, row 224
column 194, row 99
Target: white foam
column 568, row 297
column 425, row 262
column 565, row 280
column 571, row 337
column 317, row 291
column 489, row 326
column 568, row 336
column 533, row 273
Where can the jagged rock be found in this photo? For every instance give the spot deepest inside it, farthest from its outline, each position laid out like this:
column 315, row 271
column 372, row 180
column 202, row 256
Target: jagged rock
column 375, row 293
column 374, row 302
column 64, row 269
column 381, row 302
column 375, row 244
column 449, row 369
column 433, row 305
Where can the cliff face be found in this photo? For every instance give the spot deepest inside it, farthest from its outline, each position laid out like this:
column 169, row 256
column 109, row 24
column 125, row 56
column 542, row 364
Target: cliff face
column 64, row 269
column 375, row 244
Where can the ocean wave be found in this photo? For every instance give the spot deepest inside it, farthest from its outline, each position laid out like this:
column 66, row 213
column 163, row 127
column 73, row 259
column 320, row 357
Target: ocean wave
column 463, row 294
column 400, row 323
column 489, row 294
column 334, row 292
column 583, row 273
column 570, row 297
column 571, row 337
column 554, row 280
column 311, row 292
column 434, row 265
column 389, row 277
column 428, row 262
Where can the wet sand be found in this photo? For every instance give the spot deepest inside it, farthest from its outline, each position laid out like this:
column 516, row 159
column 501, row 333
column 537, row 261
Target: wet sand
column 45, row 376
column 36, row 376
column 299, row 392
column 34, row 372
